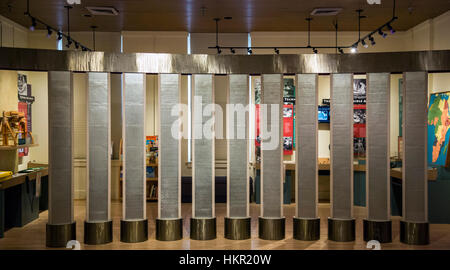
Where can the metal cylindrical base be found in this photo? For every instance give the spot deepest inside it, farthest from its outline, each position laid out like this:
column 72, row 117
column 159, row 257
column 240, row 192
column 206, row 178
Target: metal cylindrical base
column 58, row 235
column 133, row 231
column 377, row 230
column 169, row 229
column 307, row 229
column 271, row 228
column 413, row 233
column 98, row 233
column 203, row 228
column 341, row 230
column 237, row 228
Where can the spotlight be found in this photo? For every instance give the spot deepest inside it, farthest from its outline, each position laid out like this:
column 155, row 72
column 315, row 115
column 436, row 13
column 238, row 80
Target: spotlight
column 315, row 50
column 59, row 36
column 232, row 51
column 249, row 50
column 77, row 45
column 372, row 41
column 390, row 29
column 277, row 51
column 33, row 24
column 219, row 51
column 49, row 32
column 341, row 50
column 365, row 45
column 83, row 48
column 381, row 33
column 69, row 42
column 354, row 49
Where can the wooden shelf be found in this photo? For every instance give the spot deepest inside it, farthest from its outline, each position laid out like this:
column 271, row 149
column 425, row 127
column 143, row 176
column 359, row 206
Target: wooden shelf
column 15, row 147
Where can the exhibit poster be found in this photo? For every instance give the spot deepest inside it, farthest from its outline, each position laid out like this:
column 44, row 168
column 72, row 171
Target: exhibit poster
column 438, row 124
column 24, row 106
column 359, row 117
column 288, row 116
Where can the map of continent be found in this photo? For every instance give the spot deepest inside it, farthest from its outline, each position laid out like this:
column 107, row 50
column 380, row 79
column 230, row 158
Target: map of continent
column 438, row 126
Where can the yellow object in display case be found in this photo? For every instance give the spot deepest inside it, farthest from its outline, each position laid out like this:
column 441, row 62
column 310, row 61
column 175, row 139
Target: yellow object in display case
column 4, row 174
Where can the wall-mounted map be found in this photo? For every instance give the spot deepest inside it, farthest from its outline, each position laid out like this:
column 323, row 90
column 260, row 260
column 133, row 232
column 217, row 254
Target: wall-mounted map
column 438, row 125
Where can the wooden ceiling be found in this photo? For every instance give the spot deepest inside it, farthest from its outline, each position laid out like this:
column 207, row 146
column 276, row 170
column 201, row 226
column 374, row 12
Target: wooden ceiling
column 247, row 15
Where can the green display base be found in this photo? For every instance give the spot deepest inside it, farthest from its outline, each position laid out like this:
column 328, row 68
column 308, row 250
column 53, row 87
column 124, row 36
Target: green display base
column 57, row 236
column 413, row 233
column 306, row 229
column 133, row 231
column 271, row 228
column 203, row 228
column 169, row 229
column 98, row 233
column 237, row 228
column 341, row 230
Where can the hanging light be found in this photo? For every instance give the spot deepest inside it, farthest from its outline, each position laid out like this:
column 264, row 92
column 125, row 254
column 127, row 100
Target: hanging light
column 315, row 50
column 49, row 32
column 365, row 45
column 77, row 45
column 341, row 50
column 390, row 28
column 381, row 33
column 33, row 24
column 372, row 41
column 59, row 36
column 232, row 51
column 69, row 42
column 354, row 48
column 249, row 50
column 277, row 51
column 219, row 51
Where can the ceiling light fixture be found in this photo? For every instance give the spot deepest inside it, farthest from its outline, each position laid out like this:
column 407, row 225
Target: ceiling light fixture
column 69, row 42
column 249, row 50
column 315, row 50
column 354, row 48
column 49, row 31
column 390, row 28
column 372, row 41
column 33, row 24
column 381, row 33
column 232, row 51
column 276, row 51
column 365, row 45
column 60, row 36
column 341, row 50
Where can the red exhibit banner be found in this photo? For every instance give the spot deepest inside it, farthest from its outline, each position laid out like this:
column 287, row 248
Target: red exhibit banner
column 288, row 128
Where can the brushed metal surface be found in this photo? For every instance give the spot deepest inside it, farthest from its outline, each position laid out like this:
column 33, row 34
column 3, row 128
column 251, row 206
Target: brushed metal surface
column 58, row 235
column 271, row 159
column 271, row 228
column 377, row 230
column 415, row 184
column 60, row 119
column 341, row 169
column 98, row 147
column 133, row 109
column 414, row 233
column 378, row 161
column 169, row 149
column 169, row 229
column 203, row 149
column 341, row 230
column 237, row 169
column 46, row 60
column 133, row 231
column 98, row 233
column 306, row 229
column 203, row 228
column 306, row 154
column 237, row 228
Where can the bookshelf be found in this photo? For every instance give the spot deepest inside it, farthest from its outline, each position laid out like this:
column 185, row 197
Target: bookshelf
column 151, row 169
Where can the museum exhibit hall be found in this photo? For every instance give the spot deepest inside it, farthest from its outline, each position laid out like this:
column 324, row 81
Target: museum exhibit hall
column 224, row 125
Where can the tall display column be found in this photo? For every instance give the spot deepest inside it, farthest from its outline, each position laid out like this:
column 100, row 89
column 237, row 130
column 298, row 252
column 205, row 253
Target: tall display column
column 98, row 227
column 414, row 227
column 306, row 220
column 378, row 225
column 341, row 224
column 237, row 221
column 134, row 225
column 203, row 221
column 271, row 222
column 61, row 227
column 169, row 224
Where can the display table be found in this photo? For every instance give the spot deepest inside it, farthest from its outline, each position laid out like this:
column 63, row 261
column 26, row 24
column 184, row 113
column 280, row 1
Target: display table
column 397, row 173
column 18, row 202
